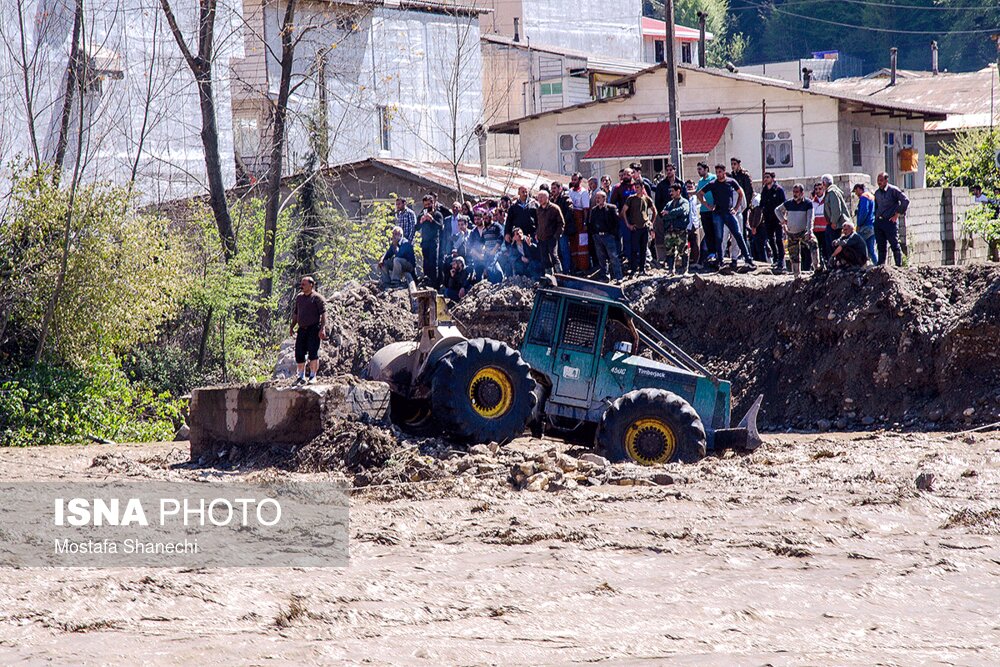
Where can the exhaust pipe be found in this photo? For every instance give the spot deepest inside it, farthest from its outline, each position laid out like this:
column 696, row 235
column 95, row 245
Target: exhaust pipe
column 892, row 65
column 517, row 29
column 934, row 58
column 806, row 77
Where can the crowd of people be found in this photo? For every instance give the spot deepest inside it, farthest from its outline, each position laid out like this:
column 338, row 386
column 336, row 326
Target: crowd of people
column 613, row 231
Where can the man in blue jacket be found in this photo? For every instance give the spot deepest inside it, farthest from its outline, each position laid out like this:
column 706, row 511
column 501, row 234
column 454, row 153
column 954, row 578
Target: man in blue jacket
column 865, row 215
column 398, row 260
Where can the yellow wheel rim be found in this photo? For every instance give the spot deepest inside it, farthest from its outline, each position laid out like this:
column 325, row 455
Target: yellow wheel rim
column 649, row 442
column 491, row 392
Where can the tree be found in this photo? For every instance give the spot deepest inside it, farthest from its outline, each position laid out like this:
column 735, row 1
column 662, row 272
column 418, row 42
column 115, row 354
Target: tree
column 966, row 161
column 201, row 63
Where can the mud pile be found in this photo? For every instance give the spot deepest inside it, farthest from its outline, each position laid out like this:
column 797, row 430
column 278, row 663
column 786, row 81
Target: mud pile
column 847, row 350
column 362, row 319
column 497, row 311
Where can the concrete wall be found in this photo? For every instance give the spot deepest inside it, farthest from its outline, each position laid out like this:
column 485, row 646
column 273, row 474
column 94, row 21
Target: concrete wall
column 933, row 228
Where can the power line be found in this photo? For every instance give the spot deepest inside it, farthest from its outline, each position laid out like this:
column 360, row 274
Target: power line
column 866, row 3
column 858, row 26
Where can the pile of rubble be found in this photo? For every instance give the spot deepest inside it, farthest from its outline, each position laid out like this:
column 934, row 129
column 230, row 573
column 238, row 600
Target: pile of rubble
column 362, row 319
column 497, row 311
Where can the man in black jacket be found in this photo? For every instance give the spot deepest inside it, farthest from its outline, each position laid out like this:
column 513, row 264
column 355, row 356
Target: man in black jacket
column 430, row 224
column 603, row 227
column 663, row 187
column 560, row 197
column 772, row 196
column 521, row 215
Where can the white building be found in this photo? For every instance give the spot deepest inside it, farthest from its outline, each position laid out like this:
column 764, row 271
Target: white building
column 605, row 29
column 654, row 36
column 372, row 79
column 808, row 131
column 140, row 112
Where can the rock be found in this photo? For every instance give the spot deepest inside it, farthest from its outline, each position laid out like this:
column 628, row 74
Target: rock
column 935, row 415
column 968, row 412
column 566, row 463
column 183, row 433
column 481, row 450
column 823, row 425
column 538, row 482
column 841, row 424
column 925, row 481
column 662, row 479
column 868, row 421
column 596, row 460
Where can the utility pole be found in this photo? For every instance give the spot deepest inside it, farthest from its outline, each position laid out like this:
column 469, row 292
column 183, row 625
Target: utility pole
column 763, row 137
column 701, row 38
column 676, row 150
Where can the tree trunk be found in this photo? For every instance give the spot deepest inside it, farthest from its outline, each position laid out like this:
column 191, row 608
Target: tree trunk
column 203, row 344
column 275, row 166
column 201, row 67
column 73, row 74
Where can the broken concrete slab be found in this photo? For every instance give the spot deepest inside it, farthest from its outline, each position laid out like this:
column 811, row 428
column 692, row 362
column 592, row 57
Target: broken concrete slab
column 281, row 416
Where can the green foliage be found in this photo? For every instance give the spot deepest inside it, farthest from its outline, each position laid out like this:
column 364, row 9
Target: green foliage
column 726, row 45
column 966, row 161
column 787, row 29
column 43, row 405
column 350, row 249
column 227, row 293
column 125, row 273
column 982, row 221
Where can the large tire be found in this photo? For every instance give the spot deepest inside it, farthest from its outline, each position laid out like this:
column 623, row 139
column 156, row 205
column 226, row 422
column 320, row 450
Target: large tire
column 482, row 391
column 650, row 427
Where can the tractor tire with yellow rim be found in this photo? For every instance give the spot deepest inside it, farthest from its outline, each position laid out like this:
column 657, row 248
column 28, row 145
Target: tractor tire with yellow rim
column 650, row 427
column 482, row 391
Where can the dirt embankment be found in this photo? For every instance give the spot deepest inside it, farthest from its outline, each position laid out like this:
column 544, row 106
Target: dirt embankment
column 918, row 348
column 915, row 348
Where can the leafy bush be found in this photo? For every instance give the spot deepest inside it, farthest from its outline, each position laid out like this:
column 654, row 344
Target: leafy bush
column 44, row 405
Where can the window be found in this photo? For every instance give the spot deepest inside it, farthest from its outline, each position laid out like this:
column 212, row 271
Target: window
column 889, row 149
column 580, row 329
column 686, row 50
column 909, row 178
column 659, row 53
column 552, row 88
column 778, row 149
column 572, row 148
column 544, row 327
column 384, row 128
column 856, row 148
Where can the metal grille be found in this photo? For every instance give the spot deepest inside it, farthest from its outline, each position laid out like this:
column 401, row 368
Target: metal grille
column 545, row 322
column 581, row 326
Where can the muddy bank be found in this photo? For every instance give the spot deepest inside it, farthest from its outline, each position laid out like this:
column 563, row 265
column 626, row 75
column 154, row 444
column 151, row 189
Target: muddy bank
column 915, row 347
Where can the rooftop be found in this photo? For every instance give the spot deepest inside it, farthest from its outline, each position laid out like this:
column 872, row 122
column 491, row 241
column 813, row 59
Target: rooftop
column 594, row 62
column 438, row 175
column 656, row 28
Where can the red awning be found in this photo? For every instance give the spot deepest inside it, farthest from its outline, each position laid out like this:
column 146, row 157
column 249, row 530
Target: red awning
column 652, row 140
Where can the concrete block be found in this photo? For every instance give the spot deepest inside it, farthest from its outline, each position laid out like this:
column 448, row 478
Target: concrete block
column 226, row 417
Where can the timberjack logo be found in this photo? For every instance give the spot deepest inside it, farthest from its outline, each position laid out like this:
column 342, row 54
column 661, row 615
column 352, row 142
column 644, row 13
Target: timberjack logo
column 240, row 512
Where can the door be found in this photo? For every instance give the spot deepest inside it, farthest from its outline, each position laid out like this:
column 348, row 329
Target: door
column 576, row 350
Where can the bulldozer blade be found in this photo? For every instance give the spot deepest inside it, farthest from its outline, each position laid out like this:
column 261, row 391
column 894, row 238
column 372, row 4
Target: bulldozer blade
column 749, row 422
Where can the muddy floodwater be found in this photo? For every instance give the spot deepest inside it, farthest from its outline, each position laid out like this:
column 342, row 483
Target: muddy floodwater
column 814, row 550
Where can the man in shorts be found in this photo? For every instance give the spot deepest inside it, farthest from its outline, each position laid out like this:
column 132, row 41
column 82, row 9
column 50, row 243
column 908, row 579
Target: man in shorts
column 309, row 313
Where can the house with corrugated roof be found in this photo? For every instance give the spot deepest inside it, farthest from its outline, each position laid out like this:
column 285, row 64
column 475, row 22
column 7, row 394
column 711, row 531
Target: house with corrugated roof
column 770, row 124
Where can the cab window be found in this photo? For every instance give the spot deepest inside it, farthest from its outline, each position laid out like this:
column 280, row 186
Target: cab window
column 543, row 329
column 580, row 330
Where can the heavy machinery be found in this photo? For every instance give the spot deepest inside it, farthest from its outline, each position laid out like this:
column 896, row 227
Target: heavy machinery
column 588, row 364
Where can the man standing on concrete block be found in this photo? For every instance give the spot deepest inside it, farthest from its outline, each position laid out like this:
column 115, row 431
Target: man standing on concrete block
column 890, row 202
column 309, row 313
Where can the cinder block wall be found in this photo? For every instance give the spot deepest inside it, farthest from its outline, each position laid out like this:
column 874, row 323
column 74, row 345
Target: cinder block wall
column 933, row 230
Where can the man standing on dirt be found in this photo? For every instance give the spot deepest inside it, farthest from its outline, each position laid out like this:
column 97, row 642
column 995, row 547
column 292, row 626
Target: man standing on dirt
column 727, row 197
column 309, row 313
column 890, row 202
column 796, row 218
column 550, row 229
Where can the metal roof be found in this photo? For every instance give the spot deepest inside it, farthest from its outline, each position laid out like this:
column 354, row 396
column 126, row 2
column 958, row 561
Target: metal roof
column 438, row 175
column 651, row 140
column 964, row 96
column 656, row 28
